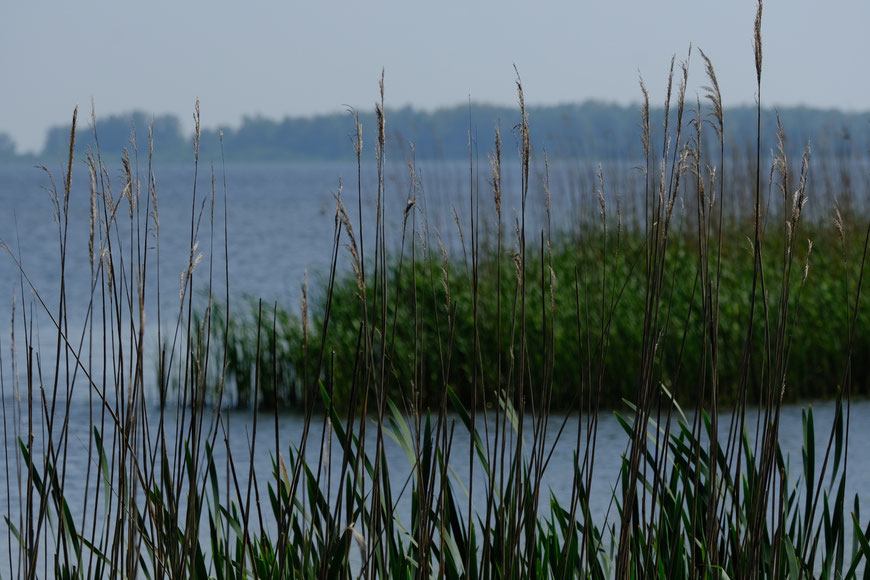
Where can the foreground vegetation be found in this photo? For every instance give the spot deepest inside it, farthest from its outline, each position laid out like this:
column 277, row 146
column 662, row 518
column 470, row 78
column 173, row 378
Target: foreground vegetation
column 419, row 344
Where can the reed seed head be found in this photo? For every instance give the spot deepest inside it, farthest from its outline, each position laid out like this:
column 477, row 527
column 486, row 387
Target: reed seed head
column 92, row 172
column 757, row 41
column 495, row 164
column 356, row 264
column 644, row 115
column 714, row 95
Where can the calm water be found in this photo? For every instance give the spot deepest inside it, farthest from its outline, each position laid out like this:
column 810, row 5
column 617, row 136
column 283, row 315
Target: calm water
column 558, row 477
column 280, row 220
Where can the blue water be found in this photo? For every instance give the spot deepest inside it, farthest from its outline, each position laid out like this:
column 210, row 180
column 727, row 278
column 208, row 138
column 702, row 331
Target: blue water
column 280, row 220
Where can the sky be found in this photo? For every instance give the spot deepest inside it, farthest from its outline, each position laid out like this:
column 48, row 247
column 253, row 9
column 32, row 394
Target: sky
column 280, row 58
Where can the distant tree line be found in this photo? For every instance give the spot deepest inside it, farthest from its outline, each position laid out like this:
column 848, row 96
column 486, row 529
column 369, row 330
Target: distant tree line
column 594, row 130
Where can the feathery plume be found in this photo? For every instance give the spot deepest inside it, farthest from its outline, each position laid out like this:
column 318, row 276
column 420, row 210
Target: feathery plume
column 495, row 164
column 644, row 113
column 342, row 217
column 757, row 41
column 714, row 95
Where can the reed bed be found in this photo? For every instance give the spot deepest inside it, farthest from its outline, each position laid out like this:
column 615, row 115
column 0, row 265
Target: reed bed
column 418, row 344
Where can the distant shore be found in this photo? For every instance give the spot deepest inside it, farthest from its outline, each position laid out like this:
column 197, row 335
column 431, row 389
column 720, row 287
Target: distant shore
column 592, row 129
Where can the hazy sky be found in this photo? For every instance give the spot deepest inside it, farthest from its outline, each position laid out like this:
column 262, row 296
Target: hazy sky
column 296, row 58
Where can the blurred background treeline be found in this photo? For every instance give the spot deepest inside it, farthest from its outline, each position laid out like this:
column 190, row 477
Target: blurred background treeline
column 593, row 130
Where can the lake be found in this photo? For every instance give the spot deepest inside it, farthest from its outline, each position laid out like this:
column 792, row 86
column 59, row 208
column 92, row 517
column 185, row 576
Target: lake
column 280, row 221
column 557, row 478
